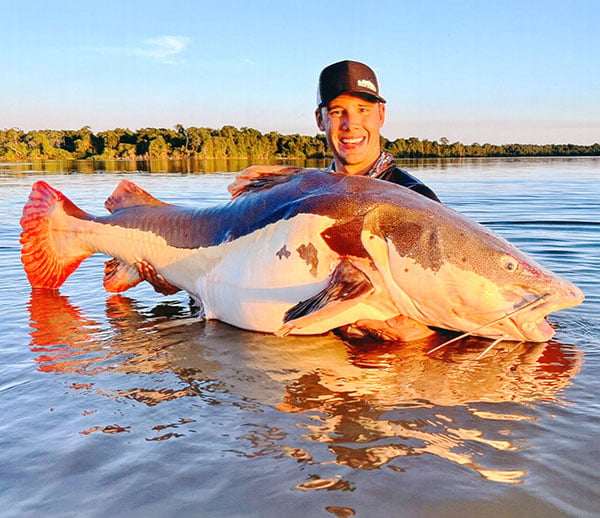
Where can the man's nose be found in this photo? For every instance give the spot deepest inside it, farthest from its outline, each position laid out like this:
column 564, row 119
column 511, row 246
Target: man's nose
column 349, row 120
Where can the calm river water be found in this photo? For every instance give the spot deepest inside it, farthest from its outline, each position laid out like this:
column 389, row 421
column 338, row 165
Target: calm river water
column 109, row 411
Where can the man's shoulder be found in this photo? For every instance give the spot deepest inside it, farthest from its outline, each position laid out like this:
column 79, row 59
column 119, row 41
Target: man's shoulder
column 399, row 176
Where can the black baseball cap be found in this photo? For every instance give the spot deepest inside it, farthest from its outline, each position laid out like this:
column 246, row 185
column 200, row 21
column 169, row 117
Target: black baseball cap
column 347, row 77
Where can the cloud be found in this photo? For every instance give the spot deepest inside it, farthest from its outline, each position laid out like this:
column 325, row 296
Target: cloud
column 165, row 49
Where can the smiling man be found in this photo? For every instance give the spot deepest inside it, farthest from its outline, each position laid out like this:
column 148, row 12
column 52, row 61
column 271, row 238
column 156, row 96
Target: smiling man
column 351, row 112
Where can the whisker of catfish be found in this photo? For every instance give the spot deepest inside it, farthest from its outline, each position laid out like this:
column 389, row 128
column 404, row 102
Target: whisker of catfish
column 499, row 319
column 515, row 347
column 489, row 348
column 455, row 339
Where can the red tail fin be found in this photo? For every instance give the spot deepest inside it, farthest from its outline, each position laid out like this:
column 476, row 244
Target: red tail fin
column 48, row 255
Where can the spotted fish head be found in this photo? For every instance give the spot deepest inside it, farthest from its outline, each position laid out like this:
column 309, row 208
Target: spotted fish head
column 447, row 271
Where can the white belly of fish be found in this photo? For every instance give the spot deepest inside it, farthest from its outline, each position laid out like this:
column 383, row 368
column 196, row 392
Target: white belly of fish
column 255, row 279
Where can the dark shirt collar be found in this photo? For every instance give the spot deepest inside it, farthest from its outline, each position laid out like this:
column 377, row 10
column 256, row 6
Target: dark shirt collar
column 383, row 163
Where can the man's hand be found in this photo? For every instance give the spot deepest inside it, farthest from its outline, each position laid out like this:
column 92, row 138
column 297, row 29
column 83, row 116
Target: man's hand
column 148, row 273
column 396, row 329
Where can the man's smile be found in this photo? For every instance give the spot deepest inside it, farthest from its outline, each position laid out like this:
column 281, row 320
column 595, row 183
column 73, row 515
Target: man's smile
column 352, row 142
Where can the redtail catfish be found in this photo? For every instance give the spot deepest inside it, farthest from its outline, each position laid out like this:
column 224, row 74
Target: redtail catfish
column 305, row 252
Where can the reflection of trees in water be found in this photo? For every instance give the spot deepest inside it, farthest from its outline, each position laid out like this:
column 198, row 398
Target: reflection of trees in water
column 368, row 404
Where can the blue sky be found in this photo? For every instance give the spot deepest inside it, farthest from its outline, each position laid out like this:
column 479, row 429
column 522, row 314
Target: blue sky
column 488, row 71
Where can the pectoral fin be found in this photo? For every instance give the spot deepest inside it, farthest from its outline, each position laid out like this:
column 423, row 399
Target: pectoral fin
column 346, row 287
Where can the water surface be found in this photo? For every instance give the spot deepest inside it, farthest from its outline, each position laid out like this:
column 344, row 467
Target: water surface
column 110, row 409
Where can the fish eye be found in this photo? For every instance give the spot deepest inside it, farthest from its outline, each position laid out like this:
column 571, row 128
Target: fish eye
column 509, row 263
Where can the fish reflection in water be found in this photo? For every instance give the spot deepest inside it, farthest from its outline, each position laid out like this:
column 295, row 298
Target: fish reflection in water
column 370, row 403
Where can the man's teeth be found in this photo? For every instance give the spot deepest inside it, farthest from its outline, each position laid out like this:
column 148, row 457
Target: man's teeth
column 352, row 140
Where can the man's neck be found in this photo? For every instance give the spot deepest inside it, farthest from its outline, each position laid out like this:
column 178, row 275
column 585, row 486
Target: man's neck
column 354, row 169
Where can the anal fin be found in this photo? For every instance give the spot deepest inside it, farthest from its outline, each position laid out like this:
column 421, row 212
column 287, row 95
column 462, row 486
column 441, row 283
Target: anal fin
column 346, row 287
column 119, row 276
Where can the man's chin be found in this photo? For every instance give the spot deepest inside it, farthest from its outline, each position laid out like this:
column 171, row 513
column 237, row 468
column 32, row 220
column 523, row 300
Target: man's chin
column 356, row 160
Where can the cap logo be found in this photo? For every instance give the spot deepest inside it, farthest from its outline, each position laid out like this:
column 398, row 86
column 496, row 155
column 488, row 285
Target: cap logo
column 365, row 83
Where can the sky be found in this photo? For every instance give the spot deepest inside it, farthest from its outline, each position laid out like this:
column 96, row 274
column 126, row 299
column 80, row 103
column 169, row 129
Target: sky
column 510, row 71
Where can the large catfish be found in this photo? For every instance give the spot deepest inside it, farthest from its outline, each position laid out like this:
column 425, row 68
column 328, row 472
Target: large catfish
column 305, row 252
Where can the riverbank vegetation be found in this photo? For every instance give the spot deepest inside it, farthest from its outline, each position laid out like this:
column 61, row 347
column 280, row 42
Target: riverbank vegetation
column 242, row 143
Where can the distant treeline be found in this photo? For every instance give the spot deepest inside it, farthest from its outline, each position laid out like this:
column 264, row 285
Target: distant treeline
column 231, row 142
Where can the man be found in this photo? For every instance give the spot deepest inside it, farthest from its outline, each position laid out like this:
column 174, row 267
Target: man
column 351, row 112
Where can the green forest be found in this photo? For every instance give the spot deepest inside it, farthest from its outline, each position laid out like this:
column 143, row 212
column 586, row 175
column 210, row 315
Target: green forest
column 230, row 142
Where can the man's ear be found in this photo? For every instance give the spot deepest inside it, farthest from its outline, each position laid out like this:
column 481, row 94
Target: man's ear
column 381, row 114
column 319, row 119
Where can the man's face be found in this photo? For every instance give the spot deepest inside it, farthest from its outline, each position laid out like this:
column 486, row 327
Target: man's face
column 352, row 126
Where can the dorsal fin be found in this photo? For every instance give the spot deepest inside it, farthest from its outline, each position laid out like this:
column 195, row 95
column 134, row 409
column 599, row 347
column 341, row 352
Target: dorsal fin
column 128, row 194
column 258, row 177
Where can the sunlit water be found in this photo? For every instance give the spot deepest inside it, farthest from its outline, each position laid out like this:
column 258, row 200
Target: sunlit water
column 109, row 410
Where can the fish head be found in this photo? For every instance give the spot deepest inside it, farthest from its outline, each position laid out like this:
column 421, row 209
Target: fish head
column 446, row 271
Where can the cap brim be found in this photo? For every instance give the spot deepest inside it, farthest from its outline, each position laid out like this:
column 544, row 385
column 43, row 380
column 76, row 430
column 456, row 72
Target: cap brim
column 367, row 95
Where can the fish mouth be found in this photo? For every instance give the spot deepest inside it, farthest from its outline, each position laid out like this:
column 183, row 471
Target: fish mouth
column 534, row 330
column 526, row 322
column 530, row 317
